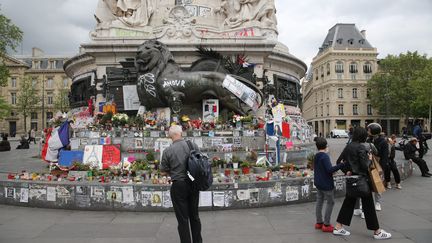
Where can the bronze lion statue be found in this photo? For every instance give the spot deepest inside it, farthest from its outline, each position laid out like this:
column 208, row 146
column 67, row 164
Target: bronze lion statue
column 162, row 83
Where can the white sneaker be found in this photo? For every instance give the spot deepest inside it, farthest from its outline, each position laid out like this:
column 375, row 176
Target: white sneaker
column 362, row 215
column 377, row 206
column 341, row 231
column 398, row 186
column 388, row 185
column 382, row 235
column 357, row 212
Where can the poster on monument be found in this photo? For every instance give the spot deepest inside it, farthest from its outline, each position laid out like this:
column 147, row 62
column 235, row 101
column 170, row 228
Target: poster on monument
column 130, row 98
column 93, row 156
column 111, row 155
column 210, row 110
column 243, row 92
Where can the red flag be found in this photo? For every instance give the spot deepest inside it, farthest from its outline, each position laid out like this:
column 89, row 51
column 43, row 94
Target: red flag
column 286, row 130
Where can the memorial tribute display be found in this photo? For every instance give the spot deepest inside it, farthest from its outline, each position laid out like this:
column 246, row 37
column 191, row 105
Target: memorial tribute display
column 213, row 67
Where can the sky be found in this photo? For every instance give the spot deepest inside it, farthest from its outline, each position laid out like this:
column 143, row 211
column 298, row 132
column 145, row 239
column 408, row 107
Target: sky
column 392, row 26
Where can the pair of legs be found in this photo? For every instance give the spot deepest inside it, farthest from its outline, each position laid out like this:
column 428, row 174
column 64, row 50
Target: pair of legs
column 392, row 168
column 185, row 202
column 368, row 206
column 329, row 197
column 421, row 164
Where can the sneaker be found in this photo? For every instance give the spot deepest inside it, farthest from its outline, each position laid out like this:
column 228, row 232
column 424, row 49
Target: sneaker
column 382, row 235
column 357, row 212
column 377, row 206
column 362, row 215
column 327, row 228
column 398, row 186
column 341, row 231
column 388, row 186
column 318, row 226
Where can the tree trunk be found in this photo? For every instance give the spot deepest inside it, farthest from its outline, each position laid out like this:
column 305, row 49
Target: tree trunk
column 25, row 123
column 430, row 113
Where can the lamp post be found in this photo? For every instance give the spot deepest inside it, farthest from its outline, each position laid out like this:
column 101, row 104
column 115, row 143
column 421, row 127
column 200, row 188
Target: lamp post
column 387, row 96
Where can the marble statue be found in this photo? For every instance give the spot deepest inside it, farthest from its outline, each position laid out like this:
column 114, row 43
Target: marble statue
column 240, row 12
column 129, row 13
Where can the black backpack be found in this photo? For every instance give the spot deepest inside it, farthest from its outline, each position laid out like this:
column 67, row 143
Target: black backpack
column 198, row 169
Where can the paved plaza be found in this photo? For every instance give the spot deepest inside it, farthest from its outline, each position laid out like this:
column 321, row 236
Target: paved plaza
column 406, row 213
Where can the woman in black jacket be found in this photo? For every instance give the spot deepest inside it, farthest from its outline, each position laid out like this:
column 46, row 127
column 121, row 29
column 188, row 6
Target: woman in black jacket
column 357, row 160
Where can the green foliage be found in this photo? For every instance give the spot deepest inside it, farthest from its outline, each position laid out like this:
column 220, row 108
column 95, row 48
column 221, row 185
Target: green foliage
column 106, row 118
column 27, row 99
column 422, row 87
column 150, row 156
column 4, row 108
column 393, row 87
column 10, row 37
column 61, row 100
column 80, row 166
column 245, row 164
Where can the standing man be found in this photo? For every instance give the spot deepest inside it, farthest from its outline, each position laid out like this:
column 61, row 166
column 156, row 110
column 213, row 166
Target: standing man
column 184, row 198
column 380, row 142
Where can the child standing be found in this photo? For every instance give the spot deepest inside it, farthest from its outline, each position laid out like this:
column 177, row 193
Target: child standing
column 323, row 180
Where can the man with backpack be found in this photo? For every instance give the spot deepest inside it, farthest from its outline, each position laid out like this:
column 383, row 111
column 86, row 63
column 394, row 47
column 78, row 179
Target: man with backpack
column 184, row 196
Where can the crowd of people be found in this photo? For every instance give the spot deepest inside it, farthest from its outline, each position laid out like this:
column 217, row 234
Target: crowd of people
column 24, row 142
column 355, row 161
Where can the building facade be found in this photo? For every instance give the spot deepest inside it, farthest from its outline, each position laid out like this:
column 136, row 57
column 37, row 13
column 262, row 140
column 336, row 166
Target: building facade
column 335, row 94
column 48, row 77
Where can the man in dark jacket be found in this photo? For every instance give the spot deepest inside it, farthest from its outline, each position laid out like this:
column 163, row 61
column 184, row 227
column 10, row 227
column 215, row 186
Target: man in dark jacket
column 184, row 198
column 4, row 144
column 410, row 153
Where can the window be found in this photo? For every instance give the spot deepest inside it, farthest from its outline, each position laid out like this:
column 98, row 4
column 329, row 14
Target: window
column 354, row 93
column 353, row 77
column 65, row 83
column 353, row 67
column 322, row 71
column 327, row 94
column 351, row 41
column 340, row 109
column 50, row 99
column 339, row 67
column 36, row 64
column 316, row 97
column 34, row 82
column 316, row 74
column 316, row 111
column 367, row 68
column 50, row 83
column 340, row 93
column 322, row 111
column 328, row 69
column 33, row 125
column 13, row 98
column 51, row 65
column 328, row 110
column 355, row 109
column 33, row 115
column 13, row 82
column 339, row 76
column 368, row 93
column 369, row 109
column 322, row 95
column 49, row 115
column 368, row 76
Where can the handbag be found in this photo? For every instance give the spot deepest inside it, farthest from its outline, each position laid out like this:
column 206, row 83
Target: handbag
column 376, row 179
column 357, row 186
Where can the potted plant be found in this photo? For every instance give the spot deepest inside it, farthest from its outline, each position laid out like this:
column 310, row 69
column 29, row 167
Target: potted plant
column 235, row 161
column 258, row 169
column 245, row 167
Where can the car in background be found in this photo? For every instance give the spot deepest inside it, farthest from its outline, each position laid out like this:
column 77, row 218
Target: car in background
column 339, row 133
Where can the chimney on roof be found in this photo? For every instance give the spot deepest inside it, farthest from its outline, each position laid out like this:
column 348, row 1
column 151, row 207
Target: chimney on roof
column 363, row 33
column 36, row 52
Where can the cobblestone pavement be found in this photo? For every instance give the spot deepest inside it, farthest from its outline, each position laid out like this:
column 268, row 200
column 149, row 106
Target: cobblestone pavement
column 406, row 213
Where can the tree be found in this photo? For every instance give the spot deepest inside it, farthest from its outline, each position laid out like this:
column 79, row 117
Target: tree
column 422, row 87
column 391, row 91
column 10, row 37
column 61, row 100
column 28, row 99
column 4, row 108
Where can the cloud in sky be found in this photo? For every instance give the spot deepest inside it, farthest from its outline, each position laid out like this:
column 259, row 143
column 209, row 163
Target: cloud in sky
column 59, row 26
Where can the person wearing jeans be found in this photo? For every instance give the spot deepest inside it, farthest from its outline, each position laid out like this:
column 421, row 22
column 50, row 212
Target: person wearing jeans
column 323, row 180
column 392, row 165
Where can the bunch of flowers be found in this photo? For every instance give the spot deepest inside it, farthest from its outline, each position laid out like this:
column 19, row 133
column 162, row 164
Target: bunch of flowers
column 237, row 118
column 120, row 119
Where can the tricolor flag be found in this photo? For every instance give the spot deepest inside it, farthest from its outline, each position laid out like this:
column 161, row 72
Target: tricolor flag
column 242, row 61
column 59, row 139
